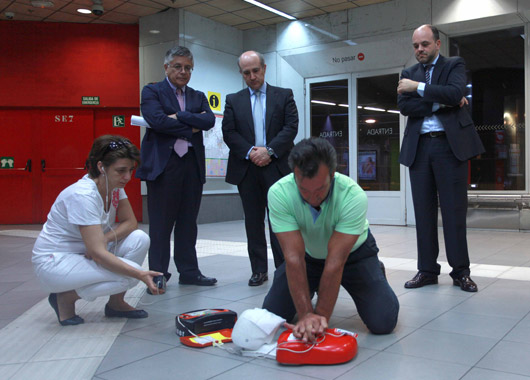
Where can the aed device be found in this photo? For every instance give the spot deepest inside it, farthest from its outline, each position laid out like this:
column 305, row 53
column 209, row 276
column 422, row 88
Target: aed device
column 202, row 328
column 334, row 346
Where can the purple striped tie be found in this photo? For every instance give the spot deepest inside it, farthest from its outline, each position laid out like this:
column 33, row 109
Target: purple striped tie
column 181, row 146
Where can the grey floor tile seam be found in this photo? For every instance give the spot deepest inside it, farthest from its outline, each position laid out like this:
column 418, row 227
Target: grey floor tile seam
column 413, row 330
column 526, row 263
column 493, row 256
column 493, row 347
column 197, row 293
column 242, row 300
column 494, row 370
column 500, row 341
column 467, row 372
column 170, row 317
column 429, row 359
column 127, row 334
column 29, row 360
column 228, row 370
column 257, row 362
column 424, row 324
column 346, row 370
column 133, row 361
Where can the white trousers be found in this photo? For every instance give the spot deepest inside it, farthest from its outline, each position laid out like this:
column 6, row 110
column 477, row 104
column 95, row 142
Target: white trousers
column 70, row 271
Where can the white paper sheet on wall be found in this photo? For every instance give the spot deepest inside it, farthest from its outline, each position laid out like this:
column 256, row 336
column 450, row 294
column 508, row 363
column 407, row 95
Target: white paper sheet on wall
column 139, row 121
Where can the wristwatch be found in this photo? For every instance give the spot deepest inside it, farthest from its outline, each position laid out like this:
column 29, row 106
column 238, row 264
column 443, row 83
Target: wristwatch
column 270, row 151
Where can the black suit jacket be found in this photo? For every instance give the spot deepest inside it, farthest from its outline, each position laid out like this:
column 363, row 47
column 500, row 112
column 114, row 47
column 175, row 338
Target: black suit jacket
column 447, row 88
column 159, row 101
column 281, row 124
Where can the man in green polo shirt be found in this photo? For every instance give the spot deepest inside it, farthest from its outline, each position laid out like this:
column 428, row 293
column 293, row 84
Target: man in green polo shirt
column 319, row 217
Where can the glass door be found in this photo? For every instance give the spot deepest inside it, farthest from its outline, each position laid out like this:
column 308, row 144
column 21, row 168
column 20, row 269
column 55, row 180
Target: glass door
column 378, row 142
column 329, row 115
column 367, row 140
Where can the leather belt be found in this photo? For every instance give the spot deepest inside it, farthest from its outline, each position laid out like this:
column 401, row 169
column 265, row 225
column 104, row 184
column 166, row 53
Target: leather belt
column 433, row 134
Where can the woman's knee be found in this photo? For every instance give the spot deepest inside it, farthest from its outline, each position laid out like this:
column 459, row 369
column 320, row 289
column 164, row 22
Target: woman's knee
column 132, row 282
column 135, row 246
column 141, row 238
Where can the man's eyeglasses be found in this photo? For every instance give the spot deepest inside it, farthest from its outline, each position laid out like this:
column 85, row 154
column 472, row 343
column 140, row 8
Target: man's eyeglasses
column 179, row 68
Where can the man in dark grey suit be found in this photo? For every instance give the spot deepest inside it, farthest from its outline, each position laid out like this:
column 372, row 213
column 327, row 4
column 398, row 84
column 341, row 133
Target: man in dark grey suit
column 259, row 126
column 439, row 140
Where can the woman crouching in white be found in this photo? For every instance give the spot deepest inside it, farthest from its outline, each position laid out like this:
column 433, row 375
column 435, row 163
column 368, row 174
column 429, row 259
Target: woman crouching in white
column 81, row 251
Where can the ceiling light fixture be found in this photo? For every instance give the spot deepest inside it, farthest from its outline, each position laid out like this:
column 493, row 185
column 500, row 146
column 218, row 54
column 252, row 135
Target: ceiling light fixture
column 42, row 3
column 321, row 102
column 369, row 121
column 374, row 109
column 266, row 7
column 343, row 105
column 84, row 11
column 322, row 31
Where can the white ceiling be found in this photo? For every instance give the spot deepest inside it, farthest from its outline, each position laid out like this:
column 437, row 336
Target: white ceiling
column 236, row 13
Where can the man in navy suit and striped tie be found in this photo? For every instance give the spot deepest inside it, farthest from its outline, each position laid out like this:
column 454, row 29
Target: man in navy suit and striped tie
column 439, row 140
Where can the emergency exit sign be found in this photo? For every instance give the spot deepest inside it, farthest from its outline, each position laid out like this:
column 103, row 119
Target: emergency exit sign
column 7, row 162
column 90, row 100
column 118, row 121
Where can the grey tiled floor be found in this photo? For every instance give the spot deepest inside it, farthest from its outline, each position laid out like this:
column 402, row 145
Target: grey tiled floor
column 442, row 332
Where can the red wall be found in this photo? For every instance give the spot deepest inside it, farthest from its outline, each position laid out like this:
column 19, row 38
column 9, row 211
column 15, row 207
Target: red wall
column 46, row 68
column 55, row 64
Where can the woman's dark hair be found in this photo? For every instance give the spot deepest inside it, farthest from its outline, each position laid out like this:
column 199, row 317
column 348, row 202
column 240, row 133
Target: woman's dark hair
column 308, row 154
column 108, row 149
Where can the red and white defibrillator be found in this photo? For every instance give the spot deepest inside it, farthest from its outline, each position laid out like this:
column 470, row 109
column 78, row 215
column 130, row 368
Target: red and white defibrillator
column 334, row 346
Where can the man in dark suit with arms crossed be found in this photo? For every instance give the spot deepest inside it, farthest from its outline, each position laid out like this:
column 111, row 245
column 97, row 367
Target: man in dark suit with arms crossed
column 173, row 166
column 259, row 126
column 439, row 140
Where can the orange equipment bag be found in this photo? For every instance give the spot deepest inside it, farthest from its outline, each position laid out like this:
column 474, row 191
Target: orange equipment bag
column 202, row 328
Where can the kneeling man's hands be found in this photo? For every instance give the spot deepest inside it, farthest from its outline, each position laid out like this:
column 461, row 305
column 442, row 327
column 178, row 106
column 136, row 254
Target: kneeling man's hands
column 309, row 327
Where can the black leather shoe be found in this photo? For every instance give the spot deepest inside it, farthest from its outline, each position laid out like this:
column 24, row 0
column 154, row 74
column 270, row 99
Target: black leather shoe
column 199, row 280
column 131, row 314
column 258, row 279
column 421, row 279
column 466, row 283
column 75, row 320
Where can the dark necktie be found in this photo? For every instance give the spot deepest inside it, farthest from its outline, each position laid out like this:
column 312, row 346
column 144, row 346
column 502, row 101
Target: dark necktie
column 181, row 146
column 428, row 73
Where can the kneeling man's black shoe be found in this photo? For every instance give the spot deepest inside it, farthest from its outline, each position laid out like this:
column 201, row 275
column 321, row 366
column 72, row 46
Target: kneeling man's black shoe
column 421, row 279
column 466, row 283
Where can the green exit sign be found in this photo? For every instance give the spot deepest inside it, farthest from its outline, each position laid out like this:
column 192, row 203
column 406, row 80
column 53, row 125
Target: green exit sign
column 90, row 100
column 118, row 121
column 7, row 162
